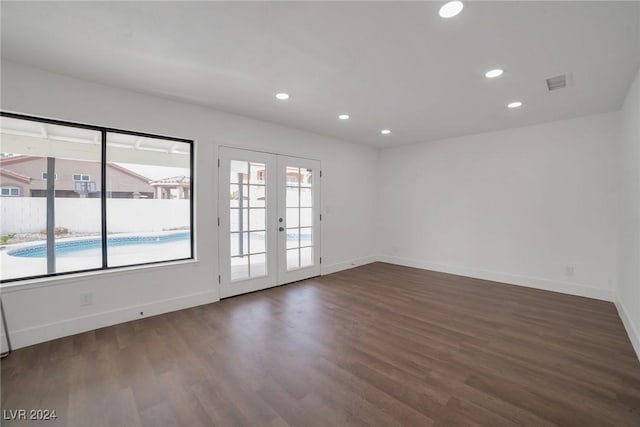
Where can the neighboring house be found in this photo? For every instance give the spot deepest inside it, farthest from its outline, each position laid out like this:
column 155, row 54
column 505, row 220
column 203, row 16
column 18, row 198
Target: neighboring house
column 26, row 176
column 175, row 187
column 291, row 177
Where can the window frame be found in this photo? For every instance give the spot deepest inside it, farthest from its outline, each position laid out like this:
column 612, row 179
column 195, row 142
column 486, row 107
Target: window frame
column 44, row 176
column 103, row 194
column 10, row 188
column 81, row 175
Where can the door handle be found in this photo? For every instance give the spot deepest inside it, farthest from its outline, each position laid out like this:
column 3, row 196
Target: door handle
column 281, row 229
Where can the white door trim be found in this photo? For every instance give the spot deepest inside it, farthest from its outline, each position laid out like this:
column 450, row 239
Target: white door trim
column 276, row 208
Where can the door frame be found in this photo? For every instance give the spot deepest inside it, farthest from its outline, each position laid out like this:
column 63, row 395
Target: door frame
column 260, row 283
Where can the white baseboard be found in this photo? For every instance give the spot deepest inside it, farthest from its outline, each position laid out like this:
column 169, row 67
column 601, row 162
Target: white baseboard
column 634, row 334
column 530, row 282
column 339, row 266
column 50, row 331
column 41, row 333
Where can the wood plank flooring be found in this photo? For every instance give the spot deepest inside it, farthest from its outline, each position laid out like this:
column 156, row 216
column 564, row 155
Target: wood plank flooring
column 378, row 345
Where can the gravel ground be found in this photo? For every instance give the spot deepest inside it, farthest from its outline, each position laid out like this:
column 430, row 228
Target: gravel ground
column 34, row 237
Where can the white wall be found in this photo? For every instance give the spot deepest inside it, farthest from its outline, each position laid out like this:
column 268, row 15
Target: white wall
column 50, row 308
column 517, row 206
column 628, row 292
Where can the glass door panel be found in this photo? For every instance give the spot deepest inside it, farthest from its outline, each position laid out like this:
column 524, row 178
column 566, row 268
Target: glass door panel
column 299, row 200
column 245, row 210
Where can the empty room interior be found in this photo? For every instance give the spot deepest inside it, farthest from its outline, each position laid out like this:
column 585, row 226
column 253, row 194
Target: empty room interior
column 320, row 213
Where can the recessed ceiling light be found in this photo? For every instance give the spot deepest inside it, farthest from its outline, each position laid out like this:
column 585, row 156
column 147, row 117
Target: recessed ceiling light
column 385, row 131
column 451, row 9
column 492, row 74
column 343, row 117
column 514, row 104
column 282, row 96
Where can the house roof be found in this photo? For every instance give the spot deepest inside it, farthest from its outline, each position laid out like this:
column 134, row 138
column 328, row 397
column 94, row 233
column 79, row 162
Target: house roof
column 15, row 175
column 7, row 161
column 129, row 172
column 16, row 159
column 179, row 180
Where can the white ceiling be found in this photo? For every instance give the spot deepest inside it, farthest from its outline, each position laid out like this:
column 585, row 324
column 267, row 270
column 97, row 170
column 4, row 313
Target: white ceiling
column 394, row 65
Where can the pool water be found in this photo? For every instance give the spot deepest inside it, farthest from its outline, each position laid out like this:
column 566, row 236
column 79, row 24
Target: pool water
column 94, row 246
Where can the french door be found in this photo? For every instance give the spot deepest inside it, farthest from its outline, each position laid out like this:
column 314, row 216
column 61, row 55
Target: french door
column 269, row 220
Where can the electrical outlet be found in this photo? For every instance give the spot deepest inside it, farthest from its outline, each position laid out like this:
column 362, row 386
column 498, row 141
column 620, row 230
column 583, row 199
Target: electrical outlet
column 570, row 271
column 86, row 299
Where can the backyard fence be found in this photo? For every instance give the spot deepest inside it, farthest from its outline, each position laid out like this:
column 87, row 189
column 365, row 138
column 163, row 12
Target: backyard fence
column 29, row 214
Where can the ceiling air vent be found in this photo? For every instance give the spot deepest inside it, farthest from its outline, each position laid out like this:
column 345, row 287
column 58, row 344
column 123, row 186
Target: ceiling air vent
column 557, row 82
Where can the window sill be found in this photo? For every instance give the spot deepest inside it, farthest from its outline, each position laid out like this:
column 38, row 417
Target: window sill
column 77, row 277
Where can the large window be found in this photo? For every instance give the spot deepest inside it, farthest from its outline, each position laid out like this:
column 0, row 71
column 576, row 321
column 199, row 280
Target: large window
column 148, row 199
column 82, row 198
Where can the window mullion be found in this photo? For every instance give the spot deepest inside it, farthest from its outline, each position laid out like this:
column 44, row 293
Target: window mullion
column 103, row 197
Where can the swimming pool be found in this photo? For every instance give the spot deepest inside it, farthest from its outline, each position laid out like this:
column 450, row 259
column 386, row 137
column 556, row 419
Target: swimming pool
column 92, row 246
column 73, row 247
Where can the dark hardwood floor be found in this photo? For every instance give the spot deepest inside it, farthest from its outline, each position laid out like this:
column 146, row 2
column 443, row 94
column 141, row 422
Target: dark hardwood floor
column 376, row 345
